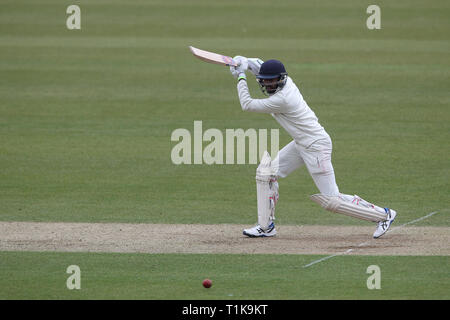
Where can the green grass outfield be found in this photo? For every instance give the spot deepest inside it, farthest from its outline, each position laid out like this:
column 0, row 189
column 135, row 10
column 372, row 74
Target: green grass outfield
column 235, row 277
column 86, row 118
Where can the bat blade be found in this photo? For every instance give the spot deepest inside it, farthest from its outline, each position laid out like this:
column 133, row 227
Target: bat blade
column 212, row 57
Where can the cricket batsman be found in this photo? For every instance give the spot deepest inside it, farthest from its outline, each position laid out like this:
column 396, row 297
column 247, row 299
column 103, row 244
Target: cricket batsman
column 311, row 147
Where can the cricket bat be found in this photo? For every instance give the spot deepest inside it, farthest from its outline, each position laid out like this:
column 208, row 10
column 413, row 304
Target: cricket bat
column 212, row 57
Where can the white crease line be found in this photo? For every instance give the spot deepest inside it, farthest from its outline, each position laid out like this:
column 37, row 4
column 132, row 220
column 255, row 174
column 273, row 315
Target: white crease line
column 367, row 242
column 414, row 221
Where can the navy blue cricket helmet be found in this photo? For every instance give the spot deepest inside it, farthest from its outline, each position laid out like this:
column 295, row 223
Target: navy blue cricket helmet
column 272, row 69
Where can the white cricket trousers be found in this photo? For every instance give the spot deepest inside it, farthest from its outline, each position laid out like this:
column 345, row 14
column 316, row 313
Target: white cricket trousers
column 317, row 159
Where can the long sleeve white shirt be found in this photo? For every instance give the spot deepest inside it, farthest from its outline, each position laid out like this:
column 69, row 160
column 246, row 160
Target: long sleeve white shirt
column 291, row 111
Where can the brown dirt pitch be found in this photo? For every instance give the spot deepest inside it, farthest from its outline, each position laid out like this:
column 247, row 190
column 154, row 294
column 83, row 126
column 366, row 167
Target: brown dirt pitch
column 223, row 238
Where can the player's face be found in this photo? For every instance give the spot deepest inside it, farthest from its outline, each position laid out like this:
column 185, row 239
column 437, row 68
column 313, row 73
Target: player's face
column 270, row 84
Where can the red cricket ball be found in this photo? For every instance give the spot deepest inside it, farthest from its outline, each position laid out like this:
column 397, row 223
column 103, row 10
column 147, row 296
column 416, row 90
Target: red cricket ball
column 207, row 283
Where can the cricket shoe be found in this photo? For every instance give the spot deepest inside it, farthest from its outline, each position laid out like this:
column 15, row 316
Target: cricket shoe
column 257, row 231
column 384, row 225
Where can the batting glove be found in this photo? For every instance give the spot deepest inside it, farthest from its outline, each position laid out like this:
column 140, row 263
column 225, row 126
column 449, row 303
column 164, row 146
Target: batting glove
column 254, row 64
column 242, row 65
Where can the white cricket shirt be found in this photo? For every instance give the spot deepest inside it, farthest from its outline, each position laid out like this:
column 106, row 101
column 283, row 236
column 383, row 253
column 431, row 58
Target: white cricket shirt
column 291, row 111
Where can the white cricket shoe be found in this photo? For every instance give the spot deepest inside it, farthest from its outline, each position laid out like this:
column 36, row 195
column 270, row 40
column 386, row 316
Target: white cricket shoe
column 384, row 225
column 257, row 231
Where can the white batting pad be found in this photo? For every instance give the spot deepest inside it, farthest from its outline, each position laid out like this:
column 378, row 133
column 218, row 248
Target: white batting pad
column 265, row 167
column 266, row 191
column 339, row 205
